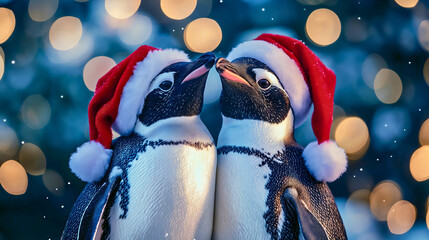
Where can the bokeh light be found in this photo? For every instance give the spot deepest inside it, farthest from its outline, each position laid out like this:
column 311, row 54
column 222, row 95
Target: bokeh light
column 32, row 159
column 352, row 135
column 136, row 30
column 13, row 177
column 407, row 3
column 178, row 9
column 53, row 182
column 387, row 86
column 1, row 67
column 36, row 111
column 42, row 10
column 74, row 56
column 2, row 54
column 427, row 217
column 426, row 71
column 424, row 133
column 65, row 33
column 8, row 141
column 95, row 69
column 7, row 24
column 370, row 67
column 419, row 164
column 202, row 35
column 122, row 9
column 357, row 209
column 382, row 198
column 423, row 34
column 323, row 27
column 401, row 217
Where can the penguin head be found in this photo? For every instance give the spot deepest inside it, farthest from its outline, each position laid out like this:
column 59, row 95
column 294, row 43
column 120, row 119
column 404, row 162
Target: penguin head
column 177, row 90
column 251, row 90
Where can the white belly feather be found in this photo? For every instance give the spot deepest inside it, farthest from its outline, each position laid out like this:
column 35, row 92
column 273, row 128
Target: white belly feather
column 240, row 197
column 171, row 193
column 240, row 185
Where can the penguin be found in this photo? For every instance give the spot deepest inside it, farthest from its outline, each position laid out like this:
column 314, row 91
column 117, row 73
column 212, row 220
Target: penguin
column 265, row 188
column 159, row 183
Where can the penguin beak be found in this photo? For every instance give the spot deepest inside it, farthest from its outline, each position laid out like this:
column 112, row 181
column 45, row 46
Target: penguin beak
column 227, row 71
column 200, row 66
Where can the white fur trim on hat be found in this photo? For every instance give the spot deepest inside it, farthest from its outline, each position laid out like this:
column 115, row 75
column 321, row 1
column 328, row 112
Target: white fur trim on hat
column 90, row 161
column 136, row 88
column 325, row 161
column 286, row 70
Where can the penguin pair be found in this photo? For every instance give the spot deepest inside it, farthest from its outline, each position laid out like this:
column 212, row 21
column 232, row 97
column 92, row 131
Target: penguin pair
column 160, row 182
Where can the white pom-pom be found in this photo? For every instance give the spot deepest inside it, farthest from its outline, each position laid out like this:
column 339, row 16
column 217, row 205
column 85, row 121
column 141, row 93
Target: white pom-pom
column 90, row 161
column 325, row 161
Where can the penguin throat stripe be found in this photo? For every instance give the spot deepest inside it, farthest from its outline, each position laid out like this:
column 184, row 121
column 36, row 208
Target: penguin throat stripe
column 264, row 156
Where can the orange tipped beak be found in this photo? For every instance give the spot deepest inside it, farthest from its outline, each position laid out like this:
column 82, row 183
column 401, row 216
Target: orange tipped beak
column 227, row 74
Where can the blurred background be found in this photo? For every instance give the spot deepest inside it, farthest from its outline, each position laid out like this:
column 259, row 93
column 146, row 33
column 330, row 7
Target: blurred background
column 52, row 53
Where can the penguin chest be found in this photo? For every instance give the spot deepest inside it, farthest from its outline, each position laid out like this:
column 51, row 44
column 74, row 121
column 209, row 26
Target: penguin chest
column 170, row 194
column 241, row 196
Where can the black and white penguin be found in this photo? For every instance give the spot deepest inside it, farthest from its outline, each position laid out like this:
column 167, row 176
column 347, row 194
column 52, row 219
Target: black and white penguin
column 268, row 186
column 157, row 180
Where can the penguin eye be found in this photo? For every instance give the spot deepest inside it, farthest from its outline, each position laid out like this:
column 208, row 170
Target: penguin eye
column 166, row 85
column 264, row 83
column 265, row 78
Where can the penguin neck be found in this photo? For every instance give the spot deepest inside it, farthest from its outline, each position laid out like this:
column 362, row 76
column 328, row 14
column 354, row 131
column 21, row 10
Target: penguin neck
column 189, row 128
column 256, row 133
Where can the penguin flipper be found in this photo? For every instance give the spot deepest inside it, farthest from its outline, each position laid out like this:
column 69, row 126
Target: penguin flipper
column 90, row 209
column 310, row 226
column 96, row 216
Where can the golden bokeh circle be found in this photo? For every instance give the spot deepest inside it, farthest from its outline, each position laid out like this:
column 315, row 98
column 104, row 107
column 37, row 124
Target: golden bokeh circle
column 419, row 164
column 136, row 30
column 2, row 54
column 426, row 71
column 32, row 159
column 7, row 24
column 323, row 27
column 65, row 33
column 42, row 10
column 382, row 198
column 202, row 35
column 53, row 182
column 423, row 34
column 94, row 69
column 36, row 111
column 387, row 86
column 370, row 67
column 13, row 177
column 122, row 9
column 424, row 133
column 9, row 143
column 352, row 135
column 427, row 218
column 1, row 67
column 401, row 217
column 178, row 9
column 407, row 3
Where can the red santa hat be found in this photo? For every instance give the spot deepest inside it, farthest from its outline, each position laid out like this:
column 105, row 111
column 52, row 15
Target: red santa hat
column 117, row 101
column 307, row 81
